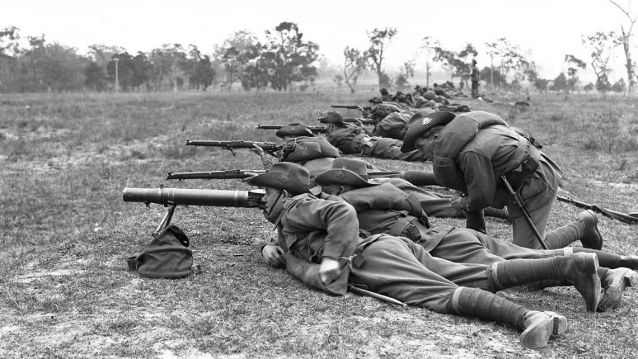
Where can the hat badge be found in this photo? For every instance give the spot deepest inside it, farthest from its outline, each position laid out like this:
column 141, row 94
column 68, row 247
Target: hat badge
column 426, row 121
column 283, row 179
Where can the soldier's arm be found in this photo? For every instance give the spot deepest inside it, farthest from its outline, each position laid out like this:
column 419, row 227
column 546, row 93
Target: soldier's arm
column 479, row 180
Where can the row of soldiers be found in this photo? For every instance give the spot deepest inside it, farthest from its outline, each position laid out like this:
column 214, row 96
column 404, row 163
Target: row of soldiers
column 340, row 228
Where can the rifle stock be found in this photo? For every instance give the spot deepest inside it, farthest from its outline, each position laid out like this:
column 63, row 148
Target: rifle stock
column 278, row 127
column 229, row 174
column 194, row 197
column 232, row 144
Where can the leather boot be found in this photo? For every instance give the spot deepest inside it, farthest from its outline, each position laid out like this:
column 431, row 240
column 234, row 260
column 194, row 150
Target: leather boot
column 606, row 259
column 583, row 229
column 536, row 327
column 540, row 326
column 614, row 282
column 580, row 269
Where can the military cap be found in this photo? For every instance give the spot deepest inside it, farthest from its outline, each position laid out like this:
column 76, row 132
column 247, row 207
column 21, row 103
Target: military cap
column 375, row 99
column 288, row 176
column 294, row 129
column 346, row 171
column 331, row 117
column 423, row 124
column 429, row 95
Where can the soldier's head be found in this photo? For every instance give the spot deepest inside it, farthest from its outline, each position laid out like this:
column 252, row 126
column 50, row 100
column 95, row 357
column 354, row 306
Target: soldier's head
column 346, row 174
column 423, row 131
column 384, row 92
column 294, row 130
column 283, row 180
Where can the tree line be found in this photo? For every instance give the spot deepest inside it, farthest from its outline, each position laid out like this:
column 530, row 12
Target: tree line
column 285, row 60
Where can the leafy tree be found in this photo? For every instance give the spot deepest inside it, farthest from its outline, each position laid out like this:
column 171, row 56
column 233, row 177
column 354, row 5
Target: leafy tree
column 94, row 77
column 235, row 53
column 288, row 58
column 619, row 86
column 379, row 39
column 203, row 74
column 9, row 41
column 338, row 80
column 354, row 65
column 9, row 52
column 168, row 63
column 141, row 71
column 559, row 83
column 253, row 72
column 401, row 82
column 50, row 67
column 574, row 64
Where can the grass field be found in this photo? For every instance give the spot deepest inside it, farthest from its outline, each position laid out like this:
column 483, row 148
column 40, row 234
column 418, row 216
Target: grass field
column 65, row 234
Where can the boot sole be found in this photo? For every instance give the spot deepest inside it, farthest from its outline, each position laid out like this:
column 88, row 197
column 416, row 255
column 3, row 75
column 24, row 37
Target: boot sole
column 595, row 219
column 589, row 265
column 613, row 294
column 537, row 335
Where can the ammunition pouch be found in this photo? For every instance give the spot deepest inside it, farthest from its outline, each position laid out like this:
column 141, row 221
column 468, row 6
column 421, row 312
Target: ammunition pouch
column 407, row 226
column 525, row 164
column 303, row 149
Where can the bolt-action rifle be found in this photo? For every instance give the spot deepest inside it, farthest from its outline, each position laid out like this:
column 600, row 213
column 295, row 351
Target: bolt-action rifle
column 353, row 107
column 277, row 127
column 417, row 178
column 228, row 174
column 631, row 218
column 269, row 147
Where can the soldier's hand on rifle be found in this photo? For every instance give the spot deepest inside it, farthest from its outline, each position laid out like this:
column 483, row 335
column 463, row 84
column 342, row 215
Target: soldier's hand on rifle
column 273, row 255
column 258, row 150
column 329, row 270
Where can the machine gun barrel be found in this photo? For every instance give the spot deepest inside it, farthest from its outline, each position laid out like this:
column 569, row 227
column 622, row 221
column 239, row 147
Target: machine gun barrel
column 195, row 197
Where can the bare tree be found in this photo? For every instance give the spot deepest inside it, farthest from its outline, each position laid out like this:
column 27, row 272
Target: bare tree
column 429, row 44
column 493, row 50
column 353, row 67
column 625, row 39
column 601, row 44
column 379, row 38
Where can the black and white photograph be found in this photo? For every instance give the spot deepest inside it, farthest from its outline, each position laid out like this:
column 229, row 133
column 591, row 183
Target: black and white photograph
column 318, row 179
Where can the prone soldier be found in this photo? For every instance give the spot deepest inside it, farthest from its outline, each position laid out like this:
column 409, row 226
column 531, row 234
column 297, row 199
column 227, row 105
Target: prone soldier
column 318, row 243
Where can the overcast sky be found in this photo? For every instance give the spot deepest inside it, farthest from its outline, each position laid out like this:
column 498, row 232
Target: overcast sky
column 544, row 29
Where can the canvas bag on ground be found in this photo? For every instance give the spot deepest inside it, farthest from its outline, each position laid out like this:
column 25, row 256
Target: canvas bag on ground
column 166, row 256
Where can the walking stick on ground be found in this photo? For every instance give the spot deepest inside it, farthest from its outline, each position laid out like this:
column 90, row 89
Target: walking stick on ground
column 519, row 202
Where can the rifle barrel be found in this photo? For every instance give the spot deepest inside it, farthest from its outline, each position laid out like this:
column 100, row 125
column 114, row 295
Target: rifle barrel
column 213, row 174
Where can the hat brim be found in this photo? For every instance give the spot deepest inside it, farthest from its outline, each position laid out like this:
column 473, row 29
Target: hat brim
column 342, row 176
column 279, row 181
column 417, row 129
